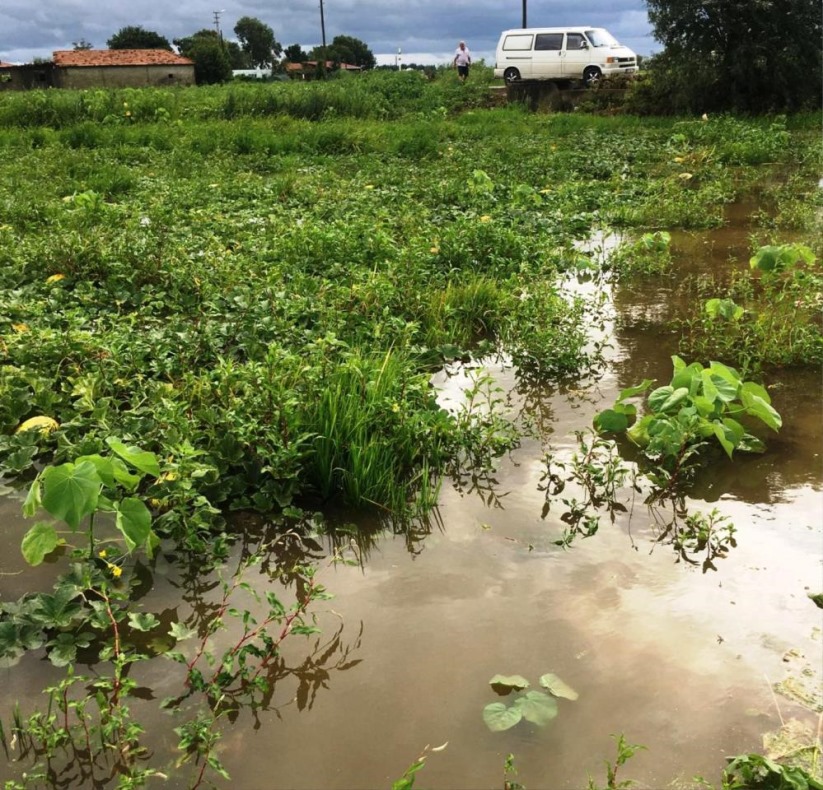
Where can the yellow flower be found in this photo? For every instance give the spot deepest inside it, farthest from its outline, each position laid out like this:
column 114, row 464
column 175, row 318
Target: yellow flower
column 485, row 218
column 369, row 186
column 395, row 407
column 678, row 159
column 128, row 113
column 20, row 328
column 55, row 278
column 434, row 250
column 685, row 176
column 102, row 553
column 116, row 570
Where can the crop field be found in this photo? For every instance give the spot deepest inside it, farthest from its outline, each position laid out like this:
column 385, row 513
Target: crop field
column 232, row 300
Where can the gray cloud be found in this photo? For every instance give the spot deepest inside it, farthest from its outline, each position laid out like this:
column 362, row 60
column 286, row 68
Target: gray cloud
column 424, row 27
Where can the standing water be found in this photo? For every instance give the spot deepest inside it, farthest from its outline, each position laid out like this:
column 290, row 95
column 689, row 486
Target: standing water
column 681, row 657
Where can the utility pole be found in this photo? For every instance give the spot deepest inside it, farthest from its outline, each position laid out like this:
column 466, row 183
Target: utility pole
column 524, row 13
column 323, row 28
column 217, row 22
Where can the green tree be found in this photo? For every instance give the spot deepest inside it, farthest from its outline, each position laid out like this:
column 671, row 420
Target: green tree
column 257, row 41
column 210, row 56
column 82, row 44
column 294, row 53
column 237, row 58
column 136, row 37
column 347, row 49
column 751, row 55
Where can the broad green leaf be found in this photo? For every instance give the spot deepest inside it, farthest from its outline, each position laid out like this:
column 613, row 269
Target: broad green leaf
column 32, row 503
column 766, row 258
column 704, row 405
column 102, row 465
column 611, row 421
column 517, row 682
column 750, row 388
column 687, row 377
column 141, row 460
column 181, row 631
column 751, row 444
column 659, row 396
column 674, row 400
column 499, row 717
column 70, row 491
column 639, row 432
column 725, row 390
column 725, row 309
column 59, row 610
column 726, row 373
column 735, row 428
column 64, row 648
column 134, row 521
column 630, row 392
column 757, row 407
column 724, row 437
column 39, row 541
column 123, row 476
column 143, row 621
column 554, row 685
column 537, row 707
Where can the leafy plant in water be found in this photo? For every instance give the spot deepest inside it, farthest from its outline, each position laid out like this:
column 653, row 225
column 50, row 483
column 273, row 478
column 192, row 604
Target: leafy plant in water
column 625, row 751
column 700, row 404
column 533, row 706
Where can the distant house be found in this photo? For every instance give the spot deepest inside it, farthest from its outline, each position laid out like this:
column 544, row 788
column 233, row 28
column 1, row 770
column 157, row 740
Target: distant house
column 121, row 68
column 26, row 77
column 309, row 69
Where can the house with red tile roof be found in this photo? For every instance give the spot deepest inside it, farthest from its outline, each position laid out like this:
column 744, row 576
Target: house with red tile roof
column 121, row 68
column 309, row 69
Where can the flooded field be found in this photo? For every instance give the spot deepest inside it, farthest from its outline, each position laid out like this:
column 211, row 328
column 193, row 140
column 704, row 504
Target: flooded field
column 680, row 658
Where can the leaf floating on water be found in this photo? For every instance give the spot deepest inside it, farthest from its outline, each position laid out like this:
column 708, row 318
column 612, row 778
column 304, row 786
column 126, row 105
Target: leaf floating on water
column 554, row 685
column 537, row 707
column 498, row 717
column 509, row 682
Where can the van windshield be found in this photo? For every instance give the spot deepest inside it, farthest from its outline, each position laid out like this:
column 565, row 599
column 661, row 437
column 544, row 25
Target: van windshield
column 598, row 37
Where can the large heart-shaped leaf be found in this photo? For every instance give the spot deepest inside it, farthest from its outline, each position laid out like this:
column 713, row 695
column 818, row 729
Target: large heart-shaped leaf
column 498, row 717
column 70, row 491
column 134, row 521
column 537, row 707
column 554, row 685
column 611, row 421
column 39, row 541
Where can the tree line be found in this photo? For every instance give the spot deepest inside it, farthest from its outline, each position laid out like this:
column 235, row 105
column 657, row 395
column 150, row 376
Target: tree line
column 256, row 47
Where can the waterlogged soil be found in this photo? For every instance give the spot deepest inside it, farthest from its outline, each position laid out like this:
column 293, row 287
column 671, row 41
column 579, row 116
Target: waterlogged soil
column 680, row 659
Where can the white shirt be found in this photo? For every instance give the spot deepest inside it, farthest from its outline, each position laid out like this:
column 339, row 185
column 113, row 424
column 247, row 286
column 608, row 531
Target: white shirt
column 462, row 57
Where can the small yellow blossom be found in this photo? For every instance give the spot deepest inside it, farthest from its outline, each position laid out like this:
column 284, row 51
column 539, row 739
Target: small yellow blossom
column 55, row 278
column 434, row 250
column 678, row 159
column 20, row 328
column 125, row 104
column 685, row 176
column 369, row 186
column 128, row 113
column 116, row 570
column 485, row 218
column 102, row 554
column 395, row 407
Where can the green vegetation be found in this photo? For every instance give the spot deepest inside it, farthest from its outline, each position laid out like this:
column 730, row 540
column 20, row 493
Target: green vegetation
column 234, row 298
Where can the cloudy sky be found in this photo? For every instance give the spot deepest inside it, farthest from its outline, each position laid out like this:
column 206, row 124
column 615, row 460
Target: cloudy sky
column 426, row 31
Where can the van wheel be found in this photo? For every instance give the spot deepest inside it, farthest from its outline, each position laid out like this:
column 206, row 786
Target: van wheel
column 592, row 76
column 511, row 75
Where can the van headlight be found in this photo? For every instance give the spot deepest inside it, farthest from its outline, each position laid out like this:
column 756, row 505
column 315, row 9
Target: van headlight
column 611, row 60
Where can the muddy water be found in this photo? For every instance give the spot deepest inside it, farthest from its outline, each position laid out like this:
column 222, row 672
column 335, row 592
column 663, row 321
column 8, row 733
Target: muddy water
column 677, row 659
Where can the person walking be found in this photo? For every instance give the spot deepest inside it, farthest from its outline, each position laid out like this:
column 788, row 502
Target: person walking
column 462, row 61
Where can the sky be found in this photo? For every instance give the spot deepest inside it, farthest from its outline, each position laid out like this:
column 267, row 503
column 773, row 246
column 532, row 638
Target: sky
column 425, row 31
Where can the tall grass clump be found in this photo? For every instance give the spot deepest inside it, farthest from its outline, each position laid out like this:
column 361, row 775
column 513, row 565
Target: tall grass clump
column 376, row 430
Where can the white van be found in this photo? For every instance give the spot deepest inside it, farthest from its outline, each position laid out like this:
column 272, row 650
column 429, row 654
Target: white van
column 561, row 53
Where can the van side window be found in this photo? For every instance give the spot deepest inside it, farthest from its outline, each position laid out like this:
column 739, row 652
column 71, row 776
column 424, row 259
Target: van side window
column 575, row 41
column 548, row 41
column 518, row 42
